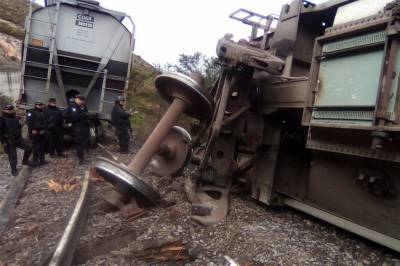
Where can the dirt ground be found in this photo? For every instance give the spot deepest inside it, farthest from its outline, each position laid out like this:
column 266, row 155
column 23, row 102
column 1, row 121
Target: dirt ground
column 252, row 234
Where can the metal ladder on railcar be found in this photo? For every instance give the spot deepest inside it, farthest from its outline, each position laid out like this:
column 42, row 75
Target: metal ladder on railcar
column 28, row 33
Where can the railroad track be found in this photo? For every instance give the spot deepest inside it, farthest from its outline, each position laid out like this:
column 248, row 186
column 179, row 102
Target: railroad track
column 9, row 201
column 64, row 252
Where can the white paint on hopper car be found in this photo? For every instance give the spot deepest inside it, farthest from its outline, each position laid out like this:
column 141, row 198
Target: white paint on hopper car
column 359, row 9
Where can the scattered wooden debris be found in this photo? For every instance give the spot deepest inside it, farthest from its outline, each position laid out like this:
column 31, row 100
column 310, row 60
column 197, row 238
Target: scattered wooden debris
column 103, row 246
column 66, row 185
column 160, row 250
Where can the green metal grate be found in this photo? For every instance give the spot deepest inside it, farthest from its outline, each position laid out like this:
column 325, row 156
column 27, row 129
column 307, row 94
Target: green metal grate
column 366, row 39
column 344, row 115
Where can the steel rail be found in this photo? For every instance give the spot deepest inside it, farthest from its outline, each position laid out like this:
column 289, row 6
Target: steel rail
column 64, row 253
column 9, row 201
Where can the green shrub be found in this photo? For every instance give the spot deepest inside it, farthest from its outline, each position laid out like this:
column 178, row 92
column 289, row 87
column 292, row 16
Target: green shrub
column 11, row 30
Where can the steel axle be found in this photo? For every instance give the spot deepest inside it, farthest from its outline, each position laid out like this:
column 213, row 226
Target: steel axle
column 186, row 96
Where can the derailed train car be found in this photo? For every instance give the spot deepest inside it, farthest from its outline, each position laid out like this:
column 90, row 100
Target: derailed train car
column 320, row 134
column 76, row 47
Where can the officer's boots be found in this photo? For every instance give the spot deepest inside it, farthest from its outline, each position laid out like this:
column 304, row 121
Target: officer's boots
column 25, row 159
column 124, row 150
column 14, row 171
column 42, row 159
column 35, row 159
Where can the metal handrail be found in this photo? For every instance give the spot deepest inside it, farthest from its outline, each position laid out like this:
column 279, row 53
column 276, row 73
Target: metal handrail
column 66, row 66
column 44, row 21
column 42, row 35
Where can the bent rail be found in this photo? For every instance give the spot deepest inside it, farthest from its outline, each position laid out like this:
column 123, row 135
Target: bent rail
column 65, row 250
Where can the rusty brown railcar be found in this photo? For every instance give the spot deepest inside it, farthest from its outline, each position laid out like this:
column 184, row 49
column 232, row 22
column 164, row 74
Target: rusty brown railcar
column 321, row 134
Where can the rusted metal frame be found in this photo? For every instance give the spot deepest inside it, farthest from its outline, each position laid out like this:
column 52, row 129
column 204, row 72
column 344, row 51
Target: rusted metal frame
column 270, row 19
column 235, row 115
column 356, row 30
column 313, row 82
column 349, row 26
column 384, row 68
column 220, row 85
column 358, row 151
column 381, row 112
column 217, row 124
column 265, row 165
column 217, row 100
column 203, row 129
column 227, row 76
column 330, row 125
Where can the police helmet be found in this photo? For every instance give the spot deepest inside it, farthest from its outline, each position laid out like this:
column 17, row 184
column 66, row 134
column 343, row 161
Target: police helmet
column 8, row 107
column 120, row 98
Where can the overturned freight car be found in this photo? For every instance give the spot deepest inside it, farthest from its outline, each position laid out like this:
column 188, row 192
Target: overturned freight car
column 76, row 47
column 322, row 134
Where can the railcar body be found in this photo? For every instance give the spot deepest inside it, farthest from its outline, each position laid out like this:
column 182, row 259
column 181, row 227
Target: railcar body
column 76, row 47
column 324, row 135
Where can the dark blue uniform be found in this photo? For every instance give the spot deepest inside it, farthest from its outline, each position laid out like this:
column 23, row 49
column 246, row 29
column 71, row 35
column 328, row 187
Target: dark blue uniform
column 36, row 121
column 120, row 120
column 11, row 138
column 54, row 120
column 78, row 116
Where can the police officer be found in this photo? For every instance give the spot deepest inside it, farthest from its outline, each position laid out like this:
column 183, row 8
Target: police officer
column 78, row 116
column 36, row 121
column 11, row 138
column 120, row 120
column 54, row 128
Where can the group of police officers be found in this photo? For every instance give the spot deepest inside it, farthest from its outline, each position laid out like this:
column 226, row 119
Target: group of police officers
column 45, row 130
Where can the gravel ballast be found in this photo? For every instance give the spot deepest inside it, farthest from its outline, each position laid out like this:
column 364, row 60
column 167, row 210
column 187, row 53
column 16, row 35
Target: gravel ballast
column 252, row 233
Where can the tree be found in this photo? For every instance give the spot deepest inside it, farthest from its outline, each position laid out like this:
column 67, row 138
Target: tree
column 197, row 62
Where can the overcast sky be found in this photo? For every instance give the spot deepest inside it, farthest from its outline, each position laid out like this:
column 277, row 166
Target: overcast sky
column 167, row 28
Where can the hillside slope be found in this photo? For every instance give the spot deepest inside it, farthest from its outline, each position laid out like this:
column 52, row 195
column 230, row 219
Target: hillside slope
column 143, row 97
column 12, row 17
